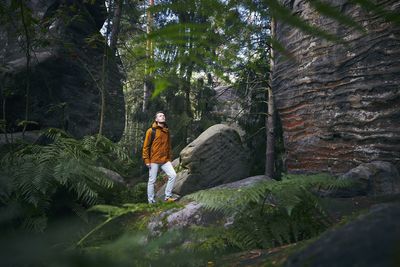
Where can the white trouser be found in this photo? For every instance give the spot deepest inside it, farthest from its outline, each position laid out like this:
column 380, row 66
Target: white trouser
column 169, row 170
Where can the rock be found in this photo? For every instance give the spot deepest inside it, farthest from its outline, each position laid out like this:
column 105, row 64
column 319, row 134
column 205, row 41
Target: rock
column 66, row 71
column 371, row 240
column 29, row 136
column 377, row 178
column 246, row 182
column 215, row 157
column 228, row 103
column 339, row 103
column 113, row 176
column 193, row 214
column 175, row 163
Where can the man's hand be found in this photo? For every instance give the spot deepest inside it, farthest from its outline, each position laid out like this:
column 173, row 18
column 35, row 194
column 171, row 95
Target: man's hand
column 148, row 165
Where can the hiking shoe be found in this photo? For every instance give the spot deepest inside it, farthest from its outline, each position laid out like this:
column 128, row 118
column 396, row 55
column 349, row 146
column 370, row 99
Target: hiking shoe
column 170, row 199
column 152, row 201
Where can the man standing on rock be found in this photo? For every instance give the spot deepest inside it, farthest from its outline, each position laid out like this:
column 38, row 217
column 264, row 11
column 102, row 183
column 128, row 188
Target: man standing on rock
column 157, row 152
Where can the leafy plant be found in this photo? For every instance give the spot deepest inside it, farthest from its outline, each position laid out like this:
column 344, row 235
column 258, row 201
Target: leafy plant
column 268, row 214
column 114, row 215
column 111, row 213
column 34, row 175
column 272, row 213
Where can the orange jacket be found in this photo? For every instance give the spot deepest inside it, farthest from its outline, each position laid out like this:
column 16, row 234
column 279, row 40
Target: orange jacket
column 161, row 151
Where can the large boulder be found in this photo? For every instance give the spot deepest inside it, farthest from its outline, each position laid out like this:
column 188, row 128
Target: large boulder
column 194, row 214
column 372, row 239
column 377, row 178
column 339, row 102
column 216, row 157
column 66, row 70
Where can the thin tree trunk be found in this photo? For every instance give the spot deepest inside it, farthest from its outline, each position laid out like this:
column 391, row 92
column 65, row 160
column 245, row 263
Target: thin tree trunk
column 28, row 66
column 4, row 119
column 149, row 55
column 188, row 90
column 115, row 25
column 102, row 91
column 112, row 36
column 270, row 118
column 270, row 128
column 188, row 104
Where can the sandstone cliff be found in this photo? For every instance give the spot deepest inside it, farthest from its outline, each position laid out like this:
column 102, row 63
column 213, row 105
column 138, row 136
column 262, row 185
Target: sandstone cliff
column 66, row 69
column 339, row 104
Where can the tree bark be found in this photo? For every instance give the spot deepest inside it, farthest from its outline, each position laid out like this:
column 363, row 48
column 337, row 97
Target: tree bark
column 103, row 91
column 28, row 65
column 115, row 25
column 270, row 118
column 149, row 55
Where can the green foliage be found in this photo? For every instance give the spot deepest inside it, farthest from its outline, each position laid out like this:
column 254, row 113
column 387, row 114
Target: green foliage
column 139, row 250
column 136, row 194
column 32, row 174
column 272, row 213
column 25, row 123
column 116, row 213
column 370, row 6
column 265, row 215
column 113, row 212
column 333, row 12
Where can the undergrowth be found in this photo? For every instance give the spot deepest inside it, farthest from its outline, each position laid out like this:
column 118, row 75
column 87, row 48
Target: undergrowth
column 36, row 177
column 272, row 213
column 265, row 215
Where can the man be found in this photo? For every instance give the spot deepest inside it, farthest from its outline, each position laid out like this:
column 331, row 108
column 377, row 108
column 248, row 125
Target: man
column 157, row 152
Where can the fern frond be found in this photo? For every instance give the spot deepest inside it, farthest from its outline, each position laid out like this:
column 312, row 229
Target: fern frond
column 111, row 213
column 272, row 213
column 230, row 200
column 54, row 133
column 38, row 170
column 36, row 224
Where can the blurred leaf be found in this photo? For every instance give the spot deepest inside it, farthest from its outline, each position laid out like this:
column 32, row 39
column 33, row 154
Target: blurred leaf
column 285, row 15
column 332, row 12
column 378, row 10
column 160, row 85
column 25, row 123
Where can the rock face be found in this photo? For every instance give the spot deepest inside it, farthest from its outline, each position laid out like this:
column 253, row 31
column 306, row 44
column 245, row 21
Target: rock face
column 66, row 70
column 339, row 105
column 372, row 179
column 371, row 240
column 215, row 157
column 228, row 103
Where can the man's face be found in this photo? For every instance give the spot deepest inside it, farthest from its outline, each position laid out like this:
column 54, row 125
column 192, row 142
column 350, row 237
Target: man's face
column 160, row 117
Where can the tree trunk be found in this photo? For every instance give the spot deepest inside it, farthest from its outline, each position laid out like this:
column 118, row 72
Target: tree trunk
column 149, row 55
column 115, row 25
column 270, row 118
column 28, row 65
column 103, row 91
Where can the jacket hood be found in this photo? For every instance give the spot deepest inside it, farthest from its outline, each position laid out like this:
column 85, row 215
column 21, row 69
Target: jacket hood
column 155, row 125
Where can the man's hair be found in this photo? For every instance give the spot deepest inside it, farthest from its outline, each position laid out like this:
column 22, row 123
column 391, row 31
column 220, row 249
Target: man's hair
column 158, row 112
